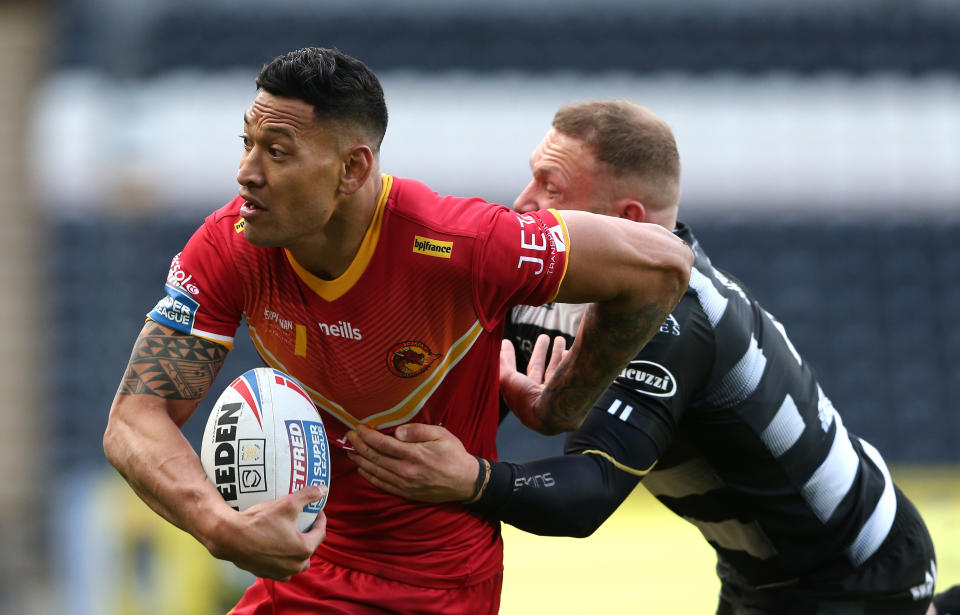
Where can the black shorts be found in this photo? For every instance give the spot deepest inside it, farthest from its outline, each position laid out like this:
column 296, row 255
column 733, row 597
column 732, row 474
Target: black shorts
column 897, row 580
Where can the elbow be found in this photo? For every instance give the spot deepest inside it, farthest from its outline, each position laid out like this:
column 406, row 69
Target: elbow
column 674, row 262
column 110, row 443
column 679, row 265
column 569, row 526
column 591, row 516
column 685, row 265
column 553, row 429
column 114, row 445
column 584, row 529
column 558, row 425
column 679, row 278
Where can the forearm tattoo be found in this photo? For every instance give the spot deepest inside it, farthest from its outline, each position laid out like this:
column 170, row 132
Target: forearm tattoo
column 172, row 365
column 612, row 341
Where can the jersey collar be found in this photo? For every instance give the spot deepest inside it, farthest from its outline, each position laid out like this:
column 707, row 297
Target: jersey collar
column 331, row 290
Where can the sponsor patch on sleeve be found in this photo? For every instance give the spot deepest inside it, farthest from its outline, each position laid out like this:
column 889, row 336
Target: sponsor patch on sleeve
column 541, row 245
column 649, row 378
column 178, row 310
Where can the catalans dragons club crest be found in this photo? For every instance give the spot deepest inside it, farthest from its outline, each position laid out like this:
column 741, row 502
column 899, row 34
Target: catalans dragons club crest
column 410, row 358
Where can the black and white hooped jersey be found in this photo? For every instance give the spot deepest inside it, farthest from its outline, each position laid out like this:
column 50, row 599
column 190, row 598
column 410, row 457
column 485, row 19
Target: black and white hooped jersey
column 726, row 425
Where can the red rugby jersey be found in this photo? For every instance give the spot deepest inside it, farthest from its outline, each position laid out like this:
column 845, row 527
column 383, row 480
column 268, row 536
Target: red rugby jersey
column 411, row 331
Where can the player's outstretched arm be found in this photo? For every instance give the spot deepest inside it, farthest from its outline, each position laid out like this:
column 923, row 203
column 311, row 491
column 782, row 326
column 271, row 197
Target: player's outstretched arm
column 167, row 376
column 569, row 495
column 419, row 462
column 635, row 273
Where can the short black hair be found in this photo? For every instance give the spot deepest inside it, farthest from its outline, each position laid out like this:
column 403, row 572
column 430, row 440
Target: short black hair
column 339, row 87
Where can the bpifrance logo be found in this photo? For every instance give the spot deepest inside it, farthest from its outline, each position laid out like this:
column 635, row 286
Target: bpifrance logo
column 432, row 247
column 410, row 358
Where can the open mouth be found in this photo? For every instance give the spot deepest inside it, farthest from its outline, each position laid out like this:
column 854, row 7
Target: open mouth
column 250, row 208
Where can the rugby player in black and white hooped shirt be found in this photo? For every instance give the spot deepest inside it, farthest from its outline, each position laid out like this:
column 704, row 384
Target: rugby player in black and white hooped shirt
column 719, row 416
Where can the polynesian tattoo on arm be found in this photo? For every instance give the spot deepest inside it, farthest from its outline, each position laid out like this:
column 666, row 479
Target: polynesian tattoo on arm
column 170, row 364
column 610, row 342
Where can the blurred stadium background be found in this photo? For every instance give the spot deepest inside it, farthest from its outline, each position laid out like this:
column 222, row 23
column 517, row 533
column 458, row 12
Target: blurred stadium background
column 821, row 150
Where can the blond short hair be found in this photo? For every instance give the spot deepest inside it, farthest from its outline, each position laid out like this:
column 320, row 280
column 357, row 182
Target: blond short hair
column 631, row 141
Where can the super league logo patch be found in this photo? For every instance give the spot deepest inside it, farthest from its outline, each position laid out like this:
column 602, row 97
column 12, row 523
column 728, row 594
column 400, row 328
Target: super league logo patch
column 177, row 310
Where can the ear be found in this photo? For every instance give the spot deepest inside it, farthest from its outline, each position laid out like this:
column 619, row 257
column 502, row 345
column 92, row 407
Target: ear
column 631, row 210
column 357, row 166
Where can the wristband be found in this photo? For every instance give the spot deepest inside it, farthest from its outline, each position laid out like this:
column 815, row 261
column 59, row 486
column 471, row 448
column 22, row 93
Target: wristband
column 497, row 490
column 481, row 479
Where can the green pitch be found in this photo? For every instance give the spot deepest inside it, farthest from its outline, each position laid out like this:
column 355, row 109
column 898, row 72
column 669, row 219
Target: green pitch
column 646, row 560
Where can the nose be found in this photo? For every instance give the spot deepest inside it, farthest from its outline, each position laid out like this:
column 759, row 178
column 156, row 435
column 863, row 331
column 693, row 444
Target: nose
column 527, row 200
column 250, row 172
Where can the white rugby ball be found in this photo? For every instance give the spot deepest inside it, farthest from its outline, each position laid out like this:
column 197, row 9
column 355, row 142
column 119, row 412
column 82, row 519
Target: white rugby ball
column 264, row 438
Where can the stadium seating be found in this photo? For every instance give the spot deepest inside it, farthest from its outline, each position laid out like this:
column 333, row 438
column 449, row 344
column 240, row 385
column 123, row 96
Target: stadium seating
column 911, row 38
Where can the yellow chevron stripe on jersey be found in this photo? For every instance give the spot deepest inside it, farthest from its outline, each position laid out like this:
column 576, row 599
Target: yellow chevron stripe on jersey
column 407, row 408
column 619, row 465
column 331, row 290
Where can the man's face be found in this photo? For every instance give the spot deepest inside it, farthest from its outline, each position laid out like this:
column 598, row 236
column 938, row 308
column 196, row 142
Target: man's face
column 565, row 176
column 289, row 172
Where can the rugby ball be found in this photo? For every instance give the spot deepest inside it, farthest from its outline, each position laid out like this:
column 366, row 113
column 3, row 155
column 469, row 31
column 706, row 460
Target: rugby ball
column 264, row 439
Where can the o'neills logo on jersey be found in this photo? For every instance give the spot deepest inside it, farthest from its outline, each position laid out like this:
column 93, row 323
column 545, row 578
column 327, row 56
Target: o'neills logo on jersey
column 650, row 378
column 410, row 358
column 432, row 247
column 341, row 329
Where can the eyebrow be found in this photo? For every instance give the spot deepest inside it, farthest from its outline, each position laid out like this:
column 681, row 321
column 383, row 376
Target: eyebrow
column 546, row 173
column 277, row 129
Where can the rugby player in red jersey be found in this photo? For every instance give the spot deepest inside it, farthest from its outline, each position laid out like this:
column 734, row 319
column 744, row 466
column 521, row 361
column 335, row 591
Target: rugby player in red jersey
column 387, row 302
